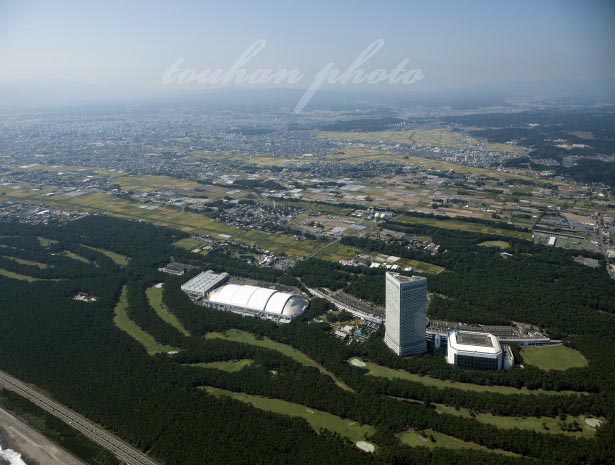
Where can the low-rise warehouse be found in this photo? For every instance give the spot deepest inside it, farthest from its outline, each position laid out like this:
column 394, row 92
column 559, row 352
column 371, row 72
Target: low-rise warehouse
column 201, row 284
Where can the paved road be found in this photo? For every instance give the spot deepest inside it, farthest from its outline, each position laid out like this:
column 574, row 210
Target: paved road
column 342, row 306
column 33, row 445
column 119, row 448
column 603, row 246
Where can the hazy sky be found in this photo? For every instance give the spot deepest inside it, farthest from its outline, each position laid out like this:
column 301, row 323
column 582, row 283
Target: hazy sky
column 455, row 43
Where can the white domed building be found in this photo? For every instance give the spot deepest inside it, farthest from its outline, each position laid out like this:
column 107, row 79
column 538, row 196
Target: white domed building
column 262, row 302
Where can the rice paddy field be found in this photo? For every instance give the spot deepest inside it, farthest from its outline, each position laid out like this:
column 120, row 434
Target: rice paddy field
column 460, row 225
column 423, row 137
column 173, row 218
column 336, row 252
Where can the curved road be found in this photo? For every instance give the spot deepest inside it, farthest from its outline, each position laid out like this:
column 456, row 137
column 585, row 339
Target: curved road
column 117, row 447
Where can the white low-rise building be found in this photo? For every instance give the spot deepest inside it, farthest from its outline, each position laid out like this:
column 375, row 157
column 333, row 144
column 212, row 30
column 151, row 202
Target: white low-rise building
column 470, row 349
column 257, row 301
column 208, row 289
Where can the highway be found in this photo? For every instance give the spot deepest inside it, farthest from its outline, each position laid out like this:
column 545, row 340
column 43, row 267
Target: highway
column 342, row 306
column 603, row 246
column 117, row 447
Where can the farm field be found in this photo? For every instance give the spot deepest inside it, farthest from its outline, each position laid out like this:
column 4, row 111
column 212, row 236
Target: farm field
column 154, row 297
column 555, row 357
column 298, row 356
column 280, row 243
column 123, row 322
column 391, row 373
column 336, row 252
column 424, row 137
column 317, row 419
column 461, row 225
column 177, row 219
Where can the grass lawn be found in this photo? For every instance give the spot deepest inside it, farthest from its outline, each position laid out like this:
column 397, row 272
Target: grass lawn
column 154, row 297
column 421, row 267
column 74, row 256
column 46, row 242
column 188, row 243
column 412, row 438
column 39, row 265
column 117, row 258
column 316, row 418
column 21, row 277
column 529, row 423
column 555, row 357
column 500, row 244
column 391, row 373
column 298, row 356
column 230, row 366
column 122, row 321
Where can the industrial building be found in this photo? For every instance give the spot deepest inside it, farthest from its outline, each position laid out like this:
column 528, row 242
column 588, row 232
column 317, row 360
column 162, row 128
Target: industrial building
column 471, row 349
column 207, row 289
column 201, row 284
column 406, row 306
column 176, row 268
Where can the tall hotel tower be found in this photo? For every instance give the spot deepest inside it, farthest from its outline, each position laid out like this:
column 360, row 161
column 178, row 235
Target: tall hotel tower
column 406, row 305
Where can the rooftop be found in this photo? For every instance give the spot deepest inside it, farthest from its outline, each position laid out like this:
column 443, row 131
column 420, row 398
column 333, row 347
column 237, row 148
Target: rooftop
column 405, row 279
column 204, row 281
column 470, row 341
column 474, row 339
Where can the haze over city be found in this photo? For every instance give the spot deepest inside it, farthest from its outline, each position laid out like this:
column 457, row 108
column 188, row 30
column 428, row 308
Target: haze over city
column 122, row 49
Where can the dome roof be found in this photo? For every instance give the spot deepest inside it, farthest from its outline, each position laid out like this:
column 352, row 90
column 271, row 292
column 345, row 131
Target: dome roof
column 294, row 306
column 259, row 299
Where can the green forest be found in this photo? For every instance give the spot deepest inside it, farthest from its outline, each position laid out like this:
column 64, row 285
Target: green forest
column 74, row 351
